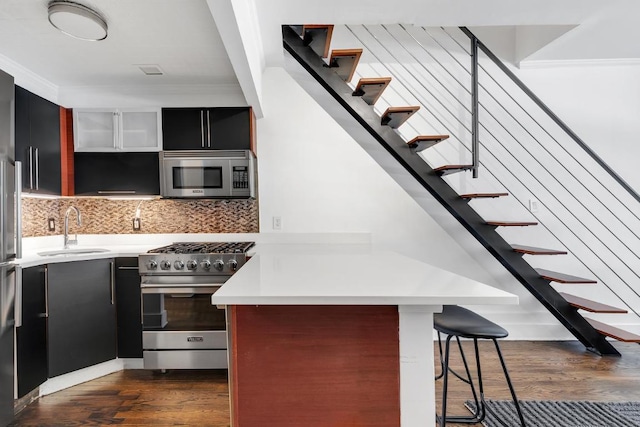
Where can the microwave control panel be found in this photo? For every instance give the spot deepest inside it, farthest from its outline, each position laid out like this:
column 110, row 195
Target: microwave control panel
column 240, row 177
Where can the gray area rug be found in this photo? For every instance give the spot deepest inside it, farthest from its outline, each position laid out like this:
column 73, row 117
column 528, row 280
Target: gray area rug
column 563, row 413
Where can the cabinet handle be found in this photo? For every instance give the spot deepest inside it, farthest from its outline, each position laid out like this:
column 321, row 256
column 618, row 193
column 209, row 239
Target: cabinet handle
column 127, row 268
column 208, row 129
column 31, row 168
column 37, row 168
column 116, row 191
column 142, row 309
column 46, row 291
column 116, row 130
column 18, row 209
column 202, row 128
column 113, row 280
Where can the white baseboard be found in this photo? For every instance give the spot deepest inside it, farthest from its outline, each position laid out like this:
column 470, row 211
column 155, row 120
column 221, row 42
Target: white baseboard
column 80, row 376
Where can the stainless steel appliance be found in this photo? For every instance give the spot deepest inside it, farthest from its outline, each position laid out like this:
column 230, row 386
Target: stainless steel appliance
column 181, row 329
column 207, row 174
column 9, row 245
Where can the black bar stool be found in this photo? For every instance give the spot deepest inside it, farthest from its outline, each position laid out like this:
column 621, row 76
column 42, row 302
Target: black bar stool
column 458, row 322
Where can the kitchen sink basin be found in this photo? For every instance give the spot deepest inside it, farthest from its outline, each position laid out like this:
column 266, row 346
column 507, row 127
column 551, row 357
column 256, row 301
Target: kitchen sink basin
column 73, row 251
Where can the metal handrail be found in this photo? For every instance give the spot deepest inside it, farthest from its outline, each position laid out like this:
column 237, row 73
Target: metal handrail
column 552, row 115
column 563, row 127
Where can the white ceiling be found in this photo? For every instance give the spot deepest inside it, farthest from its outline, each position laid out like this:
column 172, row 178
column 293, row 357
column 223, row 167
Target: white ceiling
column 182, row 38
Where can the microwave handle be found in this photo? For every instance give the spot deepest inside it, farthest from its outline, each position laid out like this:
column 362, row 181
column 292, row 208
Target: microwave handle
column 208, row 129
column 202, row 128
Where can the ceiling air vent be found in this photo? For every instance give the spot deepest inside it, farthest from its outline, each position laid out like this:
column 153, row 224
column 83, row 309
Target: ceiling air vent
column 151, row 70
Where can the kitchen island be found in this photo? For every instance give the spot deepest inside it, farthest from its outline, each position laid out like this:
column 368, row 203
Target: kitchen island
column 339, row 337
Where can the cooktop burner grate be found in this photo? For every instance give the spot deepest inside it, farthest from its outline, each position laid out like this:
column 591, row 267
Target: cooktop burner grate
column 204, row 248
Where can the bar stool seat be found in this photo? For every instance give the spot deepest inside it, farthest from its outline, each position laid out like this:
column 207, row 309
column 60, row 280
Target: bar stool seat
column 459, row 322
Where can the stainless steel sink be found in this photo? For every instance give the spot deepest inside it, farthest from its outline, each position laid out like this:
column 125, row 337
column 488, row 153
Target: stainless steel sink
column 74, row 251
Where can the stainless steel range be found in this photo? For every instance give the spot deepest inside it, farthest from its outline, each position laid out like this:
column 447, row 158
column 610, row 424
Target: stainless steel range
column 181, row 329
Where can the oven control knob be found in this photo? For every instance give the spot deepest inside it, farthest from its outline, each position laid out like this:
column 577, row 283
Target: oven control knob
column 233, row 264
column 218, row 264
column 192, row 265
column 206, row 264
column 165, row 265
column 152, row 265
column 178, row 265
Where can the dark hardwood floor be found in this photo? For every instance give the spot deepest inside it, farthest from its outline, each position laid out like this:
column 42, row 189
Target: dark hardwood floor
column 539, row 370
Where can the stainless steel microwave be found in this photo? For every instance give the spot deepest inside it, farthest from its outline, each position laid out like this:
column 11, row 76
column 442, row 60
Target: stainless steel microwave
column 222, row 174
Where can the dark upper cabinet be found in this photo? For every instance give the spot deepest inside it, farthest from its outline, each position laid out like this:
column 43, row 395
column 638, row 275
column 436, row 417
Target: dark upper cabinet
column 82, row 314
column 117, row 174
column 220, row 128
column 31, row 335
column 129, row 318
column 37, row 136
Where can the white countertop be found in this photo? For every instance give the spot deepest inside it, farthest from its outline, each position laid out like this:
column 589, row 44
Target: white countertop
column 309, row 276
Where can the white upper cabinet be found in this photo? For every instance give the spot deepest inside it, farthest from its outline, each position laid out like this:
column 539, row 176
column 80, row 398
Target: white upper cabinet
column 117, row 130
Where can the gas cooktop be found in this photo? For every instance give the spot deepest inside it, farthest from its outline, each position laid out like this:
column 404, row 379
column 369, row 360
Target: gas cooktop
column 195, row 258
column 204, row 248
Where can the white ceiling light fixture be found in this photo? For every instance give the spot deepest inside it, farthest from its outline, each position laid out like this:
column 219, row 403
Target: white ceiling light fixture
column 77, row 20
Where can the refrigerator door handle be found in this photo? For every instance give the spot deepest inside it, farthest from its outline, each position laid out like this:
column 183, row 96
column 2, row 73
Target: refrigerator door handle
column 18, row 166
column 18, row 306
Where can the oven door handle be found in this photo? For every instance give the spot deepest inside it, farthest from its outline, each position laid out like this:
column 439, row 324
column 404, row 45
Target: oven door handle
column 180, row 289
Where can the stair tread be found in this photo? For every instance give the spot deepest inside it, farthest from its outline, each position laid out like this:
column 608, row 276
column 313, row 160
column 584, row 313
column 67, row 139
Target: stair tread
column 394, row 117
column 613, row 332
column 555, row 276
column 323, row 48
column 532, row 250
column 422, row 142
column 590, row 305
column 345, row 61
column 511, row 223
column 370, row 88
column 449, row 169
column 482, row 195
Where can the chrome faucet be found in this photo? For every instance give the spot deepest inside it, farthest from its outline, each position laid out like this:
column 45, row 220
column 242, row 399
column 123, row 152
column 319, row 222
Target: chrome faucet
column 68, row 241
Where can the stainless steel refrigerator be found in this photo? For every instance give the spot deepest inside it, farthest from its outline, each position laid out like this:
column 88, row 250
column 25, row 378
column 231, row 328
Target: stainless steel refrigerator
column 9, row 245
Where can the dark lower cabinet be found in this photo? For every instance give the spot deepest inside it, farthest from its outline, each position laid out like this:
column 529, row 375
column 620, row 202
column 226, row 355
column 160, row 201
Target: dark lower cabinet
column 128, row 308
column 31, row 335
column 82, row 314
column 117, row 173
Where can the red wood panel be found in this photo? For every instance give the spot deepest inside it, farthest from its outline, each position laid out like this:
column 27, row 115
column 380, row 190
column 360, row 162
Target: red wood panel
column 315, row 366
column 66, row 151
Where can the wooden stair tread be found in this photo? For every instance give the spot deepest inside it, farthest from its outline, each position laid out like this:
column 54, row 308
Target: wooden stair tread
column 613, row 332
column 590, row 305
column 554, row 276
column 449, row 169
column 318, row 36
column 512, row 223
column 422, row 142
column 370, row 88
column 345, row 62
column 532, row 250
column 482, row 195
column 394, row 117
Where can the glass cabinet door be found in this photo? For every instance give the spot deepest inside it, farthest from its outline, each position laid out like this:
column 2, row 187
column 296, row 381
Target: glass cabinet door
column 140, row 130
column 95, row 130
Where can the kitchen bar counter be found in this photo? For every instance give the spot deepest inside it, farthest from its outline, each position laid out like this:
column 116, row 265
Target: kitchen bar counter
column 338, row 337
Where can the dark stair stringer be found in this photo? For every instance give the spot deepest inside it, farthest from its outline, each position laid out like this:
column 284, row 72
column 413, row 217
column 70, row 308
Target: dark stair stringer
column 393, row 143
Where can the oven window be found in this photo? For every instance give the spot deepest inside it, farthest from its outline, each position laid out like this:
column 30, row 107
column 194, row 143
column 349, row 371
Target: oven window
column 197, row 177
column 183, row 312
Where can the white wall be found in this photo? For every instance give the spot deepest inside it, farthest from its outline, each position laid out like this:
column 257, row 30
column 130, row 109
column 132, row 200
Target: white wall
column 600, row 101
column 318, row 179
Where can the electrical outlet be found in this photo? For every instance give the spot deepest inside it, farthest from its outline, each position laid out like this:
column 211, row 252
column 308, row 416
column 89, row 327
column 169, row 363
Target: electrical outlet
column 51, row 224
column 277, row 223
column 136, row 224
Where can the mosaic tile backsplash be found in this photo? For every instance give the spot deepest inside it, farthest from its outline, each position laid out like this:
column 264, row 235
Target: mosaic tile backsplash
column 157, row 216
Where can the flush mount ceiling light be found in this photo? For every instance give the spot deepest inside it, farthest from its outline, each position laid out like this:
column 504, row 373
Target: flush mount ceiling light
column 77, row 21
